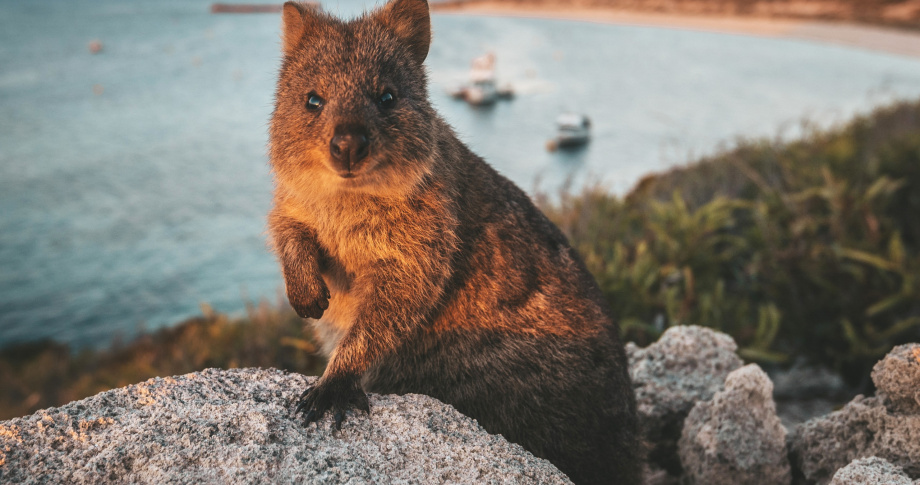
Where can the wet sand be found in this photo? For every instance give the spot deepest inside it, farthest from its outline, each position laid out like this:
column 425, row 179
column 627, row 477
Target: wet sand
column 881, row 39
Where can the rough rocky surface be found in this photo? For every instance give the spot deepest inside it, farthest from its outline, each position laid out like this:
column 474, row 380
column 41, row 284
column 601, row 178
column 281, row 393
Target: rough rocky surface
column 886, row 426
column 235, row 426
column 897, row 378
column 736, row 437
column 871, row 471
column 688, row 364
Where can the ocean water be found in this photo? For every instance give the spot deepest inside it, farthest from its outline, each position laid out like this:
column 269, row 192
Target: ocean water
column 134, row 182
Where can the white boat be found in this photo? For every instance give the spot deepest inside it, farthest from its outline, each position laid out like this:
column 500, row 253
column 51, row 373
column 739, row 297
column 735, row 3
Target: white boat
column 572, row 130
column 482, row 89
column 481, row 93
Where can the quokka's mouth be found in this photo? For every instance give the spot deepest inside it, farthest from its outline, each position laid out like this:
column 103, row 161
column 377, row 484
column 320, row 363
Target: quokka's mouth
column 354, row 172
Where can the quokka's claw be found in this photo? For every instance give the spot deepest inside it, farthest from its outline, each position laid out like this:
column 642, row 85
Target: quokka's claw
column 337, row 395
column 310, row 417
column 301, row 407
column 364, row 405
column 338, row 416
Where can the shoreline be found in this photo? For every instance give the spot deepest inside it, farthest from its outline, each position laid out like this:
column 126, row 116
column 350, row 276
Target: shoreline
column 868, row 37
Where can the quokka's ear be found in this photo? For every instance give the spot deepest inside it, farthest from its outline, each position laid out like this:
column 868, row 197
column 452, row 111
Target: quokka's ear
column 297, row 20
column 410, row 20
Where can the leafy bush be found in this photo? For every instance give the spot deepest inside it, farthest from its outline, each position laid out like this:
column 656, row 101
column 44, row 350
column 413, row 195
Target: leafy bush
column 806, row 248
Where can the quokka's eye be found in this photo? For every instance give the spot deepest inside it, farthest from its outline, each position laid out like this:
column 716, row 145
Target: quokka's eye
column 314, row 102
column 387, row 100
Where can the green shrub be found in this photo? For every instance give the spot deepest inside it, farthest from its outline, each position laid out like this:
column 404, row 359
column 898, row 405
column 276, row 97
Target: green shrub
column 806, row 248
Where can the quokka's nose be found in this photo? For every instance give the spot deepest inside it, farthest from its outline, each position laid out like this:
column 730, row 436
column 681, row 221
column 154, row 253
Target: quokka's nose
column 349, row 146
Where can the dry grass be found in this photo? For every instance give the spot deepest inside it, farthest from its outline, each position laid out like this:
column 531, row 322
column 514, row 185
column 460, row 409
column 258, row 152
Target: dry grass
column 43, row 374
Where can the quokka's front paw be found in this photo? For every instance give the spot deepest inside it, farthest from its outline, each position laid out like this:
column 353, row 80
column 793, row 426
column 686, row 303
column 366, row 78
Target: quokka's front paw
column 309, row 299
column 335, row 394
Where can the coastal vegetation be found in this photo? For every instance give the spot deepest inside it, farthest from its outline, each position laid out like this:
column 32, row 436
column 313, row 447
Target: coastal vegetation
column 42, row 374
column 809, row 248
column 798, row 249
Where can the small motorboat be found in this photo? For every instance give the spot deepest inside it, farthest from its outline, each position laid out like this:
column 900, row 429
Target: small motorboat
column 572, row 130
column 482, row 89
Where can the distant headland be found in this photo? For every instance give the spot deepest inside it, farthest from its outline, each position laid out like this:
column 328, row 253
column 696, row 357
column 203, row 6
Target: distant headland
column 888, row 27
column 903, row 14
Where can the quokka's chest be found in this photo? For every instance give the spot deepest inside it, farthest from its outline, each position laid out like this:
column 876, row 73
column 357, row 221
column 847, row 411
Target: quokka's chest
column 357, row 246
column 359, row 236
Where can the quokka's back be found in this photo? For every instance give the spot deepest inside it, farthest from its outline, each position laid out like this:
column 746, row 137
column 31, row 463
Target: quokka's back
column 421, row 268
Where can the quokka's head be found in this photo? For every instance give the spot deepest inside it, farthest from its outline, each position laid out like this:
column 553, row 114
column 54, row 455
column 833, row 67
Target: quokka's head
column 351, row 107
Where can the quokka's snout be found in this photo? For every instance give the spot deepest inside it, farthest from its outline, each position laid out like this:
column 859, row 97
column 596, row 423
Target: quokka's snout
column 349, row 147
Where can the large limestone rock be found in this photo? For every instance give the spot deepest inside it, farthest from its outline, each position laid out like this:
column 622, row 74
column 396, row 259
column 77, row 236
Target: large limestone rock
column 235, row 426
column 688, row 364
column 736, row 437
column 886, row 426
column 871, row 471
column 897, row 378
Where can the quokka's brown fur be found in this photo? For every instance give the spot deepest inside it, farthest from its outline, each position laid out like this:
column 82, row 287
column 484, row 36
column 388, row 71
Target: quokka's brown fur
column 422, row 269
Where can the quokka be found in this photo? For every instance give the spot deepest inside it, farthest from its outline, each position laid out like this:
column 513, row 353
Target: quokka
column 422, row 269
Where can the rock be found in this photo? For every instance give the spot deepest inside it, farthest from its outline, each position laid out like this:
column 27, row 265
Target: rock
column 897, row 378
column 736, row 437
column 688, row 364
column 863, row 428
column 886, row 426
column 236, row 426
column 871, row 471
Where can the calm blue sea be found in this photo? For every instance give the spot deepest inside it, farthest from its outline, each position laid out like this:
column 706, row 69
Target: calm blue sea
column 134, row 182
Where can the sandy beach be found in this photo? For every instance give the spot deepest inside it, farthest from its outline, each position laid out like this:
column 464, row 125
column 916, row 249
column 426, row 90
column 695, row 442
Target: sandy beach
column 881, row 39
